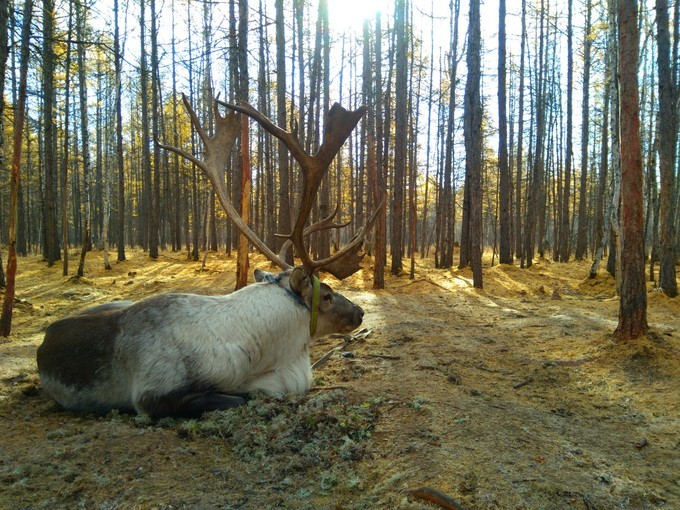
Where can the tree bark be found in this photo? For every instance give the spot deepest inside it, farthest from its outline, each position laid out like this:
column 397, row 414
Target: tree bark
column 145, row 204
column 4, row 54
column 582, row 241
column 243, row 244
column 667, row 150
column 474, row 141
column 155, row 172
column 400, row 137
column 380, row 246
column 520, row 141
column 564, row 249
column 505, row 194
column 51, row 242
column 633, row 299
column 8, row 302
column 535, row 197
column 284, row 216
column 120, row 163
column 84, row 136
column 65, row 156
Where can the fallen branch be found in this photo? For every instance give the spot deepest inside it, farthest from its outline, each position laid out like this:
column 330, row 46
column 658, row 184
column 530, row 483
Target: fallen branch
column 437, row 497
column 383, row 356
column 526, row 381
column 359, row 335
column 323, row 359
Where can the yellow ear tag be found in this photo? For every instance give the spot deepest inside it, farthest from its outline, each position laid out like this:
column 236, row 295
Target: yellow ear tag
column 315, row 305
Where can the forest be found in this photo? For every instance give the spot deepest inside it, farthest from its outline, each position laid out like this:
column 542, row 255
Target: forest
column 105, row 80
column 511, row 166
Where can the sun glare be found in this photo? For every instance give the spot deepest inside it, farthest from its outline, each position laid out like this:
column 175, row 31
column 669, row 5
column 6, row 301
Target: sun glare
column 349, row 15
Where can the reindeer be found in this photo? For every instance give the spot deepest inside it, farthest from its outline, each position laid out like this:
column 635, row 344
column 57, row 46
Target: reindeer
column 182, row 355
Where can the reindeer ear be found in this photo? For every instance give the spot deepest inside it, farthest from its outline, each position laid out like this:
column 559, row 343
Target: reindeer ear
column 260, row 275
column 299, row 282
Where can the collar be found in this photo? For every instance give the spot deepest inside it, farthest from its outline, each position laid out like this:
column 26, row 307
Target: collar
column 276, row 280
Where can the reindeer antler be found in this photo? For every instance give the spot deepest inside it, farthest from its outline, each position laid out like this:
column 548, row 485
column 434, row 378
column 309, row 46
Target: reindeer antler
column 217, row 153
column 339, row 123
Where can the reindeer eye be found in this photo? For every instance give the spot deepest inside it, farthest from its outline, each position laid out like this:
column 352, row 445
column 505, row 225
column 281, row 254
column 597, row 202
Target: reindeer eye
column 328, row 298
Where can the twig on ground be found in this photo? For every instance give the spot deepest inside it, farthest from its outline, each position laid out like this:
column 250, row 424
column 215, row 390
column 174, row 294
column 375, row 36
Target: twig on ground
column 526, row 381
column 359, row 335
column 437, row 497
column 383, row 356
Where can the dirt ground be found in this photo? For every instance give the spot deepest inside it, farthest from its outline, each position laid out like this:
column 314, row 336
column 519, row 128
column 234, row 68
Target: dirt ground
column 514, row 397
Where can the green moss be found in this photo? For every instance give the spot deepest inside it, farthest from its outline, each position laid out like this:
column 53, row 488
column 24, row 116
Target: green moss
column 317, row 433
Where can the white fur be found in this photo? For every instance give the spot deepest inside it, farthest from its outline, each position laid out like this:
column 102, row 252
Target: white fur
column 234, row 353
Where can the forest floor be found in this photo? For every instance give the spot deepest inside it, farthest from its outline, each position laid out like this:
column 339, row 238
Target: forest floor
column 514, row 397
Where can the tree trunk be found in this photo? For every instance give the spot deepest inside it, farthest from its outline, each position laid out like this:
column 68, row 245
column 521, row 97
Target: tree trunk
column 380, row 246
column 242, row 255
column 582, row 241
column 566, row 189
column 84, row 135
column 8, row 302
column 325, row 191
column 284, row 216
column 67, row 141
column 505, row 248
column 120, row 163
column 474, row 141
column 667, row 149
column 155, row 192
column 520, row 140
column 51, row 243
column 448, row 206
column 195, row 206
column 176, row 200
column 146, row 205
column 400, row 136
column 535, row 197
column 4, row 54
column 633, row 300
column 424, row 245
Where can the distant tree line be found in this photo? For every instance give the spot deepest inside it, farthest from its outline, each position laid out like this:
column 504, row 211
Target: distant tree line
column 520, row 158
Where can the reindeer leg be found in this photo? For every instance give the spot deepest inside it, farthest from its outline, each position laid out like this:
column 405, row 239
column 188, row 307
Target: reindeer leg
column 189, row 404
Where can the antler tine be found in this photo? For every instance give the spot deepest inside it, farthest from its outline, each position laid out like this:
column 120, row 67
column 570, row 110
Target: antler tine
column 285, row 136
column 217, row 153
column 346, row 261
column 323, row 224
column 338, row 124
column 194, row 119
